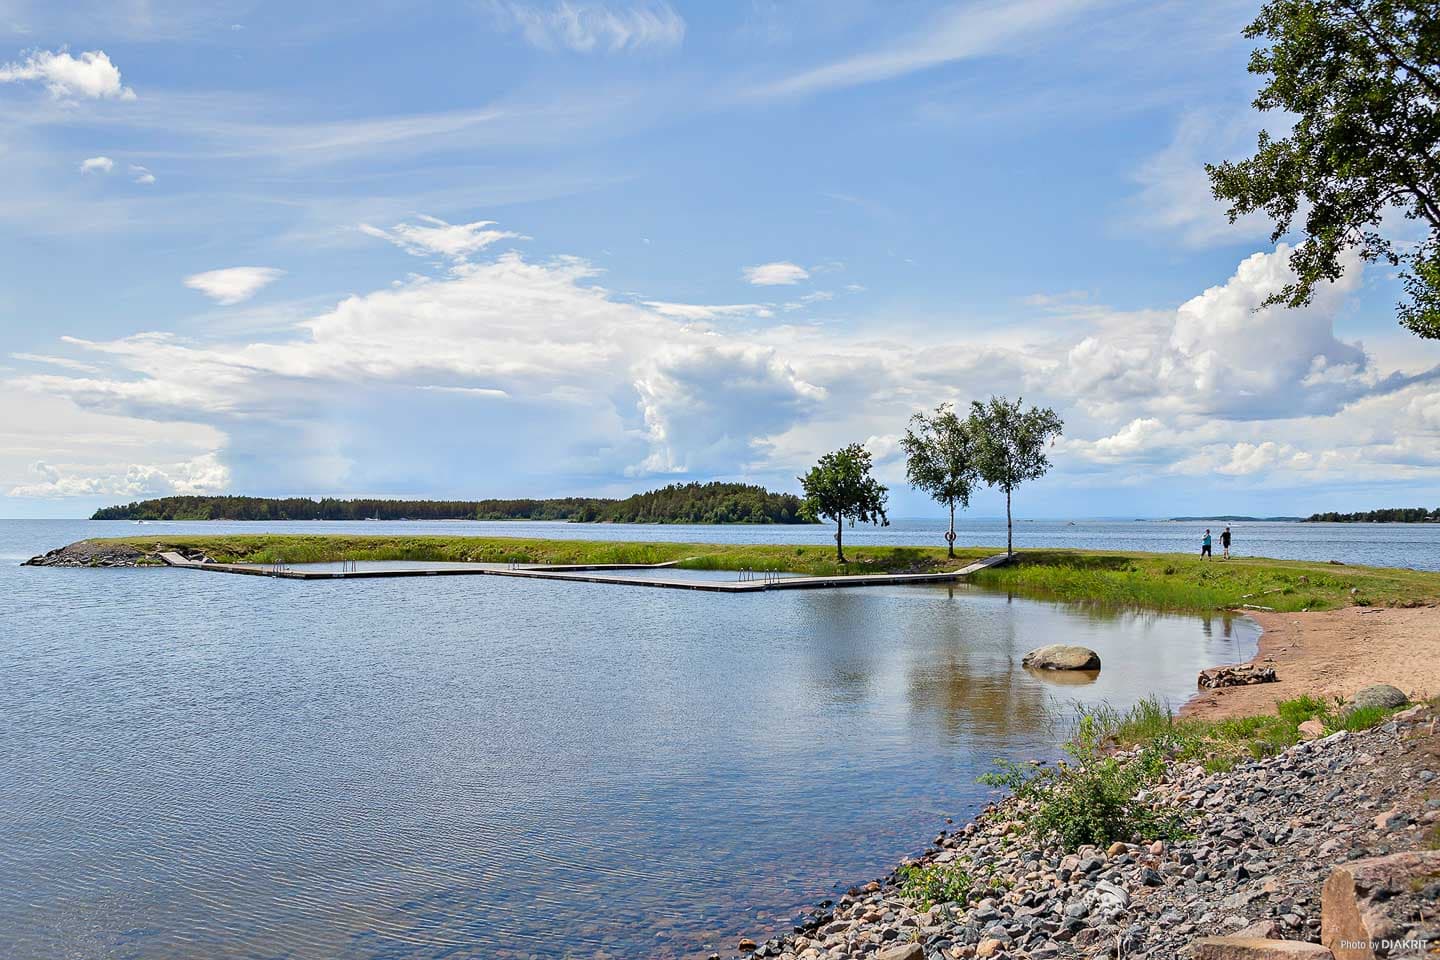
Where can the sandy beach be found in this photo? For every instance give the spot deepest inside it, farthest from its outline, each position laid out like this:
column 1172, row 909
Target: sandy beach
column 1334, row 653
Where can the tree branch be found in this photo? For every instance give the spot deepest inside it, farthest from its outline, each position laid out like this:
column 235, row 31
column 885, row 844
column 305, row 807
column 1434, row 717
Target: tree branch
column 1389, row 50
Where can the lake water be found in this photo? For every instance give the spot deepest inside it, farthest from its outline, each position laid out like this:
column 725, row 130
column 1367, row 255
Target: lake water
column 198, row 765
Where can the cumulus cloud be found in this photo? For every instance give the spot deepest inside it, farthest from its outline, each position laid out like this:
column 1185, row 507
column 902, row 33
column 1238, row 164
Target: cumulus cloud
column 778, row 273
column 587, row 27
column 434, row 237
column 233, row 284
column 707, row 408
column 97, row 165
column 202, row 475
column 89, row 76
column 1223, row 354
column 539, row 361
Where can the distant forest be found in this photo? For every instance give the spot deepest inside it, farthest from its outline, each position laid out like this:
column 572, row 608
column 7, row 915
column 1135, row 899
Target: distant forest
column 677, row 503
column 1393, row 515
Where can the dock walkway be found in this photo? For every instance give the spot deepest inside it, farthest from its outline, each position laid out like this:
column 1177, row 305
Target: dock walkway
column 589, row 573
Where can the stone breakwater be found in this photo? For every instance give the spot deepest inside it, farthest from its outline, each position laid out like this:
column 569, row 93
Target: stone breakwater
column 89, row 553
column 1266, row 836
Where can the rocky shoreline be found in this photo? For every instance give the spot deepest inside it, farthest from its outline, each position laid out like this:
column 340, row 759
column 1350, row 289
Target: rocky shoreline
column 99, row 553
column 1264, row 837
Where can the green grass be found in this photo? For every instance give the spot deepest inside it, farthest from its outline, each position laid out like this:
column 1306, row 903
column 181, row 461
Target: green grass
column 1220, row 744
column 319, row 548
column 1147, row 580
column 1181, row 582
column 1097, row 795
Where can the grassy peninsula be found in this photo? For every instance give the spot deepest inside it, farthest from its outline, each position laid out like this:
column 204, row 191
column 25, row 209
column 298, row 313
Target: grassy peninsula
column 1152, row 580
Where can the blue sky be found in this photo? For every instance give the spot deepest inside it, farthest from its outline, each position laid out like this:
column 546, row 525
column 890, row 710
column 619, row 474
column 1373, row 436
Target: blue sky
column 547, row 247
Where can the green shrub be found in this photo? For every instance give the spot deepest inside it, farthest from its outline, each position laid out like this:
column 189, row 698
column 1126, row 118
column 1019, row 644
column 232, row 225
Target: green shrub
column 1093, row 798
column 936, row 883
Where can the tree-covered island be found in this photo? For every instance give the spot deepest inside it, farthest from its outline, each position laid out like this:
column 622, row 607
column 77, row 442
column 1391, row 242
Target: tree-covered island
column 676, row 503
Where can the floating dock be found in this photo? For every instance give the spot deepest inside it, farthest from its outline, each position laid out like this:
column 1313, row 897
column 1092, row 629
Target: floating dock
column 591, row 573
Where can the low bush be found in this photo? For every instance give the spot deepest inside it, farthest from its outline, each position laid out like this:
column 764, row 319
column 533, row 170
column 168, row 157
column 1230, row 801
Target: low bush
column 935, row 883
column 1092, row 798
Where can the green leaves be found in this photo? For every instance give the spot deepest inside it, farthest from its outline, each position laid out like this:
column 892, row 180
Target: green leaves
column 840, row 488
column 940, row 456
column 1362, row 78
column 1010, row 442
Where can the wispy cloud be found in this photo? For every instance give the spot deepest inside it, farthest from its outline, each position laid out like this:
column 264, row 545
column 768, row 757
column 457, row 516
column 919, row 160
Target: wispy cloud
column 700, row 311
column 139, row 174
column 433, row 236
column 974, row 30
column 586, row 27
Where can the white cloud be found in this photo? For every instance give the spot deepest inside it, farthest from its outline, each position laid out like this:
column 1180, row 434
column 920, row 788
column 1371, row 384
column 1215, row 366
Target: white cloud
column 203, row 475
column 1136, row 437
column 779, row 273
column 596, row 385
column 64, row 362
column 1175, row 195
column 697, row 311
column 233, row 284
column 488, row 393
column 961, row 33
column 707, row 407
column 809, row 299
column 139, row 174
column 90, row 76
column 585, row 26
column 434, row 236
column 1223, row 354
column 97, row 165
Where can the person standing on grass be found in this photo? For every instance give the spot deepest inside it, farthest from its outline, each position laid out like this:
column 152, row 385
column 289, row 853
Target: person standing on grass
column 1205, row 545
column 1225, row 543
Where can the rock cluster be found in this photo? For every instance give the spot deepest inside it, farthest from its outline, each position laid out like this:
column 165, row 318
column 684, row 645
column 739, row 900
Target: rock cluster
column 1266, row 835
column 1239, row 675
column 90, row 553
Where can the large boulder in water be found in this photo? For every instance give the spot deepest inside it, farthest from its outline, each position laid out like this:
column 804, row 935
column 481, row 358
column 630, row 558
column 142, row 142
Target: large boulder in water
column 1062, row 656
column 1380, row 695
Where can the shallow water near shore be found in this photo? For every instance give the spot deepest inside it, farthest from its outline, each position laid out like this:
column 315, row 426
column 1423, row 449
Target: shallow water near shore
column 201, row 765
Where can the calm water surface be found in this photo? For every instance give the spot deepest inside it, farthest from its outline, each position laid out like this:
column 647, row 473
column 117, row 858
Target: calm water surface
column 195, row 765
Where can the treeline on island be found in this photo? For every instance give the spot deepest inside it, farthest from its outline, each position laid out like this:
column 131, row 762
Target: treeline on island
column 676, row 503
column 1393, row 515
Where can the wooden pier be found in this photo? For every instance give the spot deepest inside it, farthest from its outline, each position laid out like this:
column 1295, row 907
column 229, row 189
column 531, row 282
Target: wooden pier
column 590, row 573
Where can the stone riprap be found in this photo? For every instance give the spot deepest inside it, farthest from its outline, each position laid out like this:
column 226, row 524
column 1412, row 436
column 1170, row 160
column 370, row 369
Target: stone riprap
column 93, row 553
column 1266, row 836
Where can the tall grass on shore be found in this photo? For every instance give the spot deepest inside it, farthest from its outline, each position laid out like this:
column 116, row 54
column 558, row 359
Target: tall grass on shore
column 1182, row 582
column 1220, row 744
column 1100, row 792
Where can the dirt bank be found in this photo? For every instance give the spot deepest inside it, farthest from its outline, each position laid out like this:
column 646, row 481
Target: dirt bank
column 1334, row 653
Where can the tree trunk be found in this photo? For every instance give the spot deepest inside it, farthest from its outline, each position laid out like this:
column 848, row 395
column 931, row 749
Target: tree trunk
column 839, row 542
column 1009, row 528
column 950, row 540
